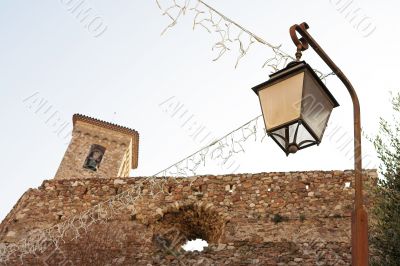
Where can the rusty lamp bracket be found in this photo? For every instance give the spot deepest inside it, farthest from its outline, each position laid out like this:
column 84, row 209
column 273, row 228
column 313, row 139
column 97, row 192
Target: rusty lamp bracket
column 301, row 43
column 359, row 226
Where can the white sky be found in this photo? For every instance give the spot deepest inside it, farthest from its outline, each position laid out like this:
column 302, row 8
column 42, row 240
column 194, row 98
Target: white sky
column 123, row 75
column 196, row 244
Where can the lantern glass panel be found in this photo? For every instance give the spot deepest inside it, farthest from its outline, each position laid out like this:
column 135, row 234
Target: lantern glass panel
column 316, row 106
column 304, row 138
column 300, row 135
column 281, row 102
column 279, row 136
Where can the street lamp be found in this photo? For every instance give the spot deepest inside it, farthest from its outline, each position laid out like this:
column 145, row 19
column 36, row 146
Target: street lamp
column 296, row 107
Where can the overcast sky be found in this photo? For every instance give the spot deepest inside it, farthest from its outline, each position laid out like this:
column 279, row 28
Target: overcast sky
column 121, row 70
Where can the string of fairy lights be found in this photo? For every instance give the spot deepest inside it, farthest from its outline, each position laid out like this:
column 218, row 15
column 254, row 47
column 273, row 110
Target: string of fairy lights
column 231, row 36
column 222, row 151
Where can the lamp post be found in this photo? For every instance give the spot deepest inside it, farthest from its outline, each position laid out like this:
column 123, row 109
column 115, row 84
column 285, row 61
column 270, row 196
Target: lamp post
column 296, row 107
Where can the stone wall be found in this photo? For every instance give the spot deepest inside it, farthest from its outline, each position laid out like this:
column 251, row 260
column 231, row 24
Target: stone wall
column 296, row 218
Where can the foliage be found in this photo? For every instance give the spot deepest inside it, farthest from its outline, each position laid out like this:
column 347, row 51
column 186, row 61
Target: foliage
column 385, row 237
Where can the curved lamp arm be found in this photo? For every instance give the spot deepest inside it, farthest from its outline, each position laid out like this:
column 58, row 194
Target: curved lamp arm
column 302, row 45
column 359, row 216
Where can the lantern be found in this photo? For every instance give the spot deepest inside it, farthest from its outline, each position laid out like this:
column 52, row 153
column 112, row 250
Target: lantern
column 296, row 106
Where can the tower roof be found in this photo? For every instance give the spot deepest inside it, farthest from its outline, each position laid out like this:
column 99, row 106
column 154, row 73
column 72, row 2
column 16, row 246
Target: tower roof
column 121, row 129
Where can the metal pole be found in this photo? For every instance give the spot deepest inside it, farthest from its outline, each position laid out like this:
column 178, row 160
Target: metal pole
column 359, row 221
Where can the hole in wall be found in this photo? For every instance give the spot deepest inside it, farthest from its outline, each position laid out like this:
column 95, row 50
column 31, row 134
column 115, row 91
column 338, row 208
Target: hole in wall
column 347, row 184
column 191, row 228
column 307, row 187
column 197, row 244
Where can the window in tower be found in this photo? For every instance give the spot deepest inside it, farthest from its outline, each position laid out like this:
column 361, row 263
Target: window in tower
column 94, row 158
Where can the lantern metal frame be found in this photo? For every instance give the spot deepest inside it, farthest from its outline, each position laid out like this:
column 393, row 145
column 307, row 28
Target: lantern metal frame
column 288, row 144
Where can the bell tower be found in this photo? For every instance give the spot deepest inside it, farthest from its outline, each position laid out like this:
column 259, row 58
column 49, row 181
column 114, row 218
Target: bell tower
column 99, row 149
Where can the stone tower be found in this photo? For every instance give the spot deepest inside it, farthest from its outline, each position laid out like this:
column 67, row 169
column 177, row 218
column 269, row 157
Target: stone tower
column 99, row 149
